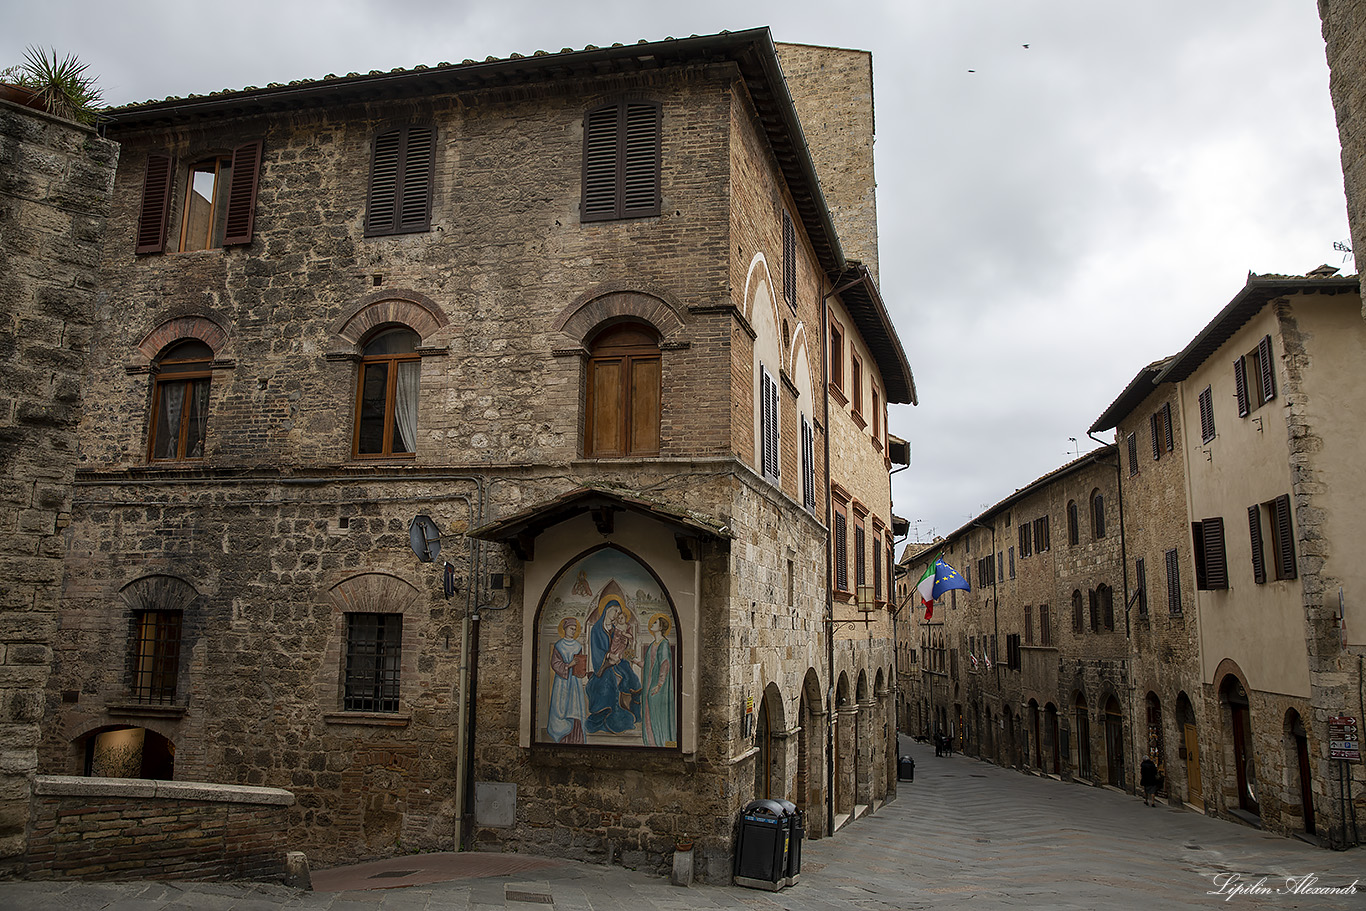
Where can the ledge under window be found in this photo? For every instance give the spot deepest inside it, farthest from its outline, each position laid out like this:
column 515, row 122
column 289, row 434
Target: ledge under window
column 145, row 710
column 376, row 719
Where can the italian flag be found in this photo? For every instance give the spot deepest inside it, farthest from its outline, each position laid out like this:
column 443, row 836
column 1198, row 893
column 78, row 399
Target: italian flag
column 926, row 589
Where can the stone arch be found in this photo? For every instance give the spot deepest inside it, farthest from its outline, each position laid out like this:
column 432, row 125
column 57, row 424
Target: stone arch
column 1114, row 741
column 374, row 593
column 207, row 329
column 1238, row 752
column 145, row 750
column 770, row 736
column 846, row 723
column 393, row 307
column 1298, row 797
column 158, row 592
column 606, row 304
column 810, row 783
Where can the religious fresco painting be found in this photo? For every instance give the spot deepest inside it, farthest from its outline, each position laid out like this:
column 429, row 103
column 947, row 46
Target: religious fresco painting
column 607, row 656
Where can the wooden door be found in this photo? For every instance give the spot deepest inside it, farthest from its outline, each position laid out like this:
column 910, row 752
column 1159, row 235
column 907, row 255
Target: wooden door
column 1194, row 793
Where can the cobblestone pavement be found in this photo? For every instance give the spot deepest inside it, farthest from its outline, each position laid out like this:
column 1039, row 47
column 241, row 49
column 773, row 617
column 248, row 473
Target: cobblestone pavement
column 964, row 834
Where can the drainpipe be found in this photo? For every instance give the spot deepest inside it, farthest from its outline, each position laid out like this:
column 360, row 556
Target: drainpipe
column 831, row 717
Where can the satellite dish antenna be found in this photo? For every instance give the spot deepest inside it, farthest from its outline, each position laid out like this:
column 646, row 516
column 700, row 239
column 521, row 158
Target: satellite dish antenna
column 425, row 538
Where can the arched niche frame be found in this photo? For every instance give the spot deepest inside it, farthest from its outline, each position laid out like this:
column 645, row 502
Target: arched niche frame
column 607, row 656
column 391, row 307
column 207, row 327
column 605, row 305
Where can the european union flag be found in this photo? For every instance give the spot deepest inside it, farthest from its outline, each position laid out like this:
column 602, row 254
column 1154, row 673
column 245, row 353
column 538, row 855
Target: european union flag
column 946, row 578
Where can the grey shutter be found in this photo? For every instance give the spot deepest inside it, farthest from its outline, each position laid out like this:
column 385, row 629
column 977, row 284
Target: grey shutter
column 789, row 260
column 1268, row 371
column 381, row 210
column 1206, row 415
column 1240, row 386
column 1254, row 529
column 1167, row 425
column 640, row 153
column 1141, row 584
column 1285, row 538
column 1154, row 431
column 841, row 552
column 1133, row 454
column 241, row 215
column 600, row 164
column 156, row 204
column 1173, row 584
column 415, row 196
column 1216, row 564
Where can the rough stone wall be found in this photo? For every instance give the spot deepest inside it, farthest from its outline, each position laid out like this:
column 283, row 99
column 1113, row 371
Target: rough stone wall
column 832, row 90
column 1344, row 31
column 97, row 829
column 1166, row 646
column 55, row 180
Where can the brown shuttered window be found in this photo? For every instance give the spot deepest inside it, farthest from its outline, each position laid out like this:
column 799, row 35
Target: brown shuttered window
column 841, row 552
column 1206, row 415
column 1240, row 386
column 1167, row 426
column 1133, row 454
column 1211, row 566
column 1283, row 537
column 1078, row 613
column 246, row 172
column 1173, row 584
column 1254, row 528
column 1025, row 541
column 1266, row 370
column 156, row 204
column 808, row 465
column 401, row 170
column 621, row 158
column 1041, row 540
column 770, row 454
column 1155, row 433
column 1073, row 531
column 1141, row 586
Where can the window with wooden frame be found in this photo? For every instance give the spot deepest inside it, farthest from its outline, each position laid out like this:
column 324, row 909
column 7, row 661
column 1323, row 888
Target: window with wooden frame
column 387, row 396
column 1073, row 529
column 1211, row 562
column 1078, row 612
column 1097, row 514
column 373, row 662
column 877, row 566
column 621, row 161
column 1041, row 537
column 860, row 551
column 1141, row 586
column 837, row 359
column 855, row 390
column 770, row 406
column 840, row 542
column 218, row 208
column 1106, row 595
column 1206, row 402
column 1045, row 626
column 1173, row 583
column 1028, row 625
column 1026, row 543
column 789, row 261
column 623, row 401
column 1254, row 378
column 180, row 403
column 1282, row 537
column 1133, row 454
column 402, row 171
column 1160, row 430
column 1010, row 559
column 155, row 656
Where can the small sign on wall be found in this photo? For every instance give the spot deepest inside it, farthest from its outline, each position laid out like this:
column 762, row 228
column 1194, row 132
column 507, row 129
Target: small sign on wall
column 1344, row 742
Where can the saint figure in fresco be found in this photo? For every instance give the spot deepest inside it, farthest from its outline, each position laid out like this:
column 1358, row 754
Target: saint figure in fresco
column 567, row 703
column 614, row 704
column 658, row 681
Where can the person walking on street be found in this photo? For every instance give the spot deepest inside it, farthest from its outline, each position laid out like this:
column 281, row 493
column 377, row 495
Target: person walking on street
column 1147, row 776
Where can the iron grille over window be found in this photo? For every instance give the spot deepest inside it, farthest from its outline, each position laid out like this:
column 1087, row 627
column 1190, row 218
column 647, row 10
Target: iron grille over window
column 156, row 656
column 621, row 162
column 372, row 662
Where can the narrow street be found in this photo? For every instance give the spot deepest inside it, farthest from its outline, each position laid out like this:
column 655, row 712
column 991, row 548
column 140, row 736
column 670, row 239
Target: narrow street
column 964, row 834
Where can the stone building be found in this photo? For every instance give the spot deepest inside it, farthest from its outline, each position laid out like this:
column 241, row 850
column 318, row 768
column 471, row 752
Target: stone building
column 1344, row 35
column 494, row 454
column 55, row 180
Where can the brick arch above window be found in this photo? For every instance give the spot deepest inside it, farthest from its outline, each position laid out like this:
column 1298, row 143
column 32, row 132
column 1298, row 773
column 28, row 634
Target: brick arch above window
column 182, row 328
column 604, row 305
column 374, row 593
column 158, row 592
column 390, row 308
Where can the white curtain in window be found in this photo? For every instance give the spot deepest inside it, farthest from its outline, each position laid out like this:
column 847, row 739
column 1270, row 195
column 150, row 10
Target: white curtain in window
column 168, row 425
column 405, row 404
column 199, row 419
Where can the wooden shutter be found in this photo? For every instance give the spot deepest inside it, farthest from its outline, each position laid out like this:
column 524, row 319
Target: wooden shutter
column 381, row 213
column 644, row 410
column 1154, row 431
column 156, row 204
column 1173, row 584
column 1206, row 415
column 1141, row 584
column 605, row 435
column 1268, row 371
column 1216, row 565
column 841, row 553
column 640, row 154
column 415, row 196
column 1073, row 532
column 808, row 465
column 1133, row 454
column 789, row 260
column 241, row 216
column 1240, row 386
column 1285, row 538
column 1254, row 528
column 1167, row 425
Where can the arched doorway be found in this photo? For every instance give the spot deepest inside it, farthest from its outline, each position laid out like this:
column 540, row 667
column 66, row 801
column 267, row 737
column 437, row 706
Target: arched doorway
column 1035, row 733
column 1081, row 723
column 1155, row 748
column 1297, row 757
column 810, row 750
column 1050, row 712
column 845, row 715
column 1238, row 715
column 1009, row 747
column 1114, row 743
column 863, row 795
column 768, row 777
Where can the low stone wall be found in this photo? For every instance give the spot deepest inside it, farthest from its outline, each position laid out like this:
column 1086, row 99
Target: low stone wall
column 133, row 828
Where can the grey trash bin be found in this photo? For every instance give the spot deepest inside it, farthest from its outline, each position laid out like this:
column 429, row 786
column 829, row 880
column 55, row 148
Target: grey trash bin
column 905, row 769
column 796, row 829
column 761, row 846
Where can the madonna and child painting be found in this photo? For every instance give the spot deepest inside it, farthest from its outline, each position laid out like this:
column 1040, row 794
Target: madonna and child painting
column 607, row 653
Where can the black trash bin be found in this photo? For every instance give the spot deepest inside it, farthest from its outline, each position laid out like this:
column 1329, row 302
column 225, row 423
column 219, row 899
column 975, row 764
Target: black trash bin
column 761, row 846
column 905, row 769
column 796, row 829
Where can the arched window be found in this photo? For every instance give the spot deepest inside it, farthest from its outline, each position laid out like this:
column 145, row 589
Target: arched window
column 622, row 417
column 386, row 395
column 1097, row 513
column 180, row 402
column 1078, row 615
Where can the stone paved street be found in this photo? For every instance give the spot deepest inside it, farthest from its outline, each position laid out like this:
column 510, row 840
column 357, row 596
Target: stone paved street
column 965, row 834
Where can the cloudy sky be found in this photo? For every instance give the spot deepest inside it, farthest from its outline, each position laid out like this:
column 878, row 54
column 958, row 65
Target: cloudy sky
column 1052, row 217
